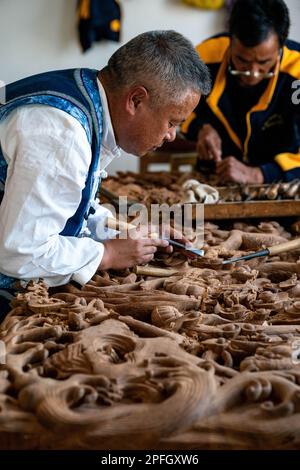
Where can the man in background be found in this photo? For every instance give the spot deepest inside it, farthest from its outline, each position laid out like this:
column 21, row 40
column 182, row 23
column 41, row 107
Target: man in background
column 249, row 124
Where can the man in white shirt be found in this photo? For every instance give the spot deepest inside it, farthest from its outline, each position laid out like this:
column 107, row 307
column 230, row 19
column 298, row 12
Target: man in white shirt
column 58, row 133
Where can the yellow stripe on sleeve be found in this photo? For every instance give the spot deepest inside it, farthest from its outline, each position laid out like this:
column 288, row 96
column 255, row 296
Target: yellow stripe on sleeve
column 288, row 161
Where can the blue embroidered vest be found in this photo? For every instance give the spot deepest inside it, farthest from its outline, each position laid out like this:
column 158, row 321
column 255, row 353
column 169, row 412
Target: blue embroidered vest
column 76, row 92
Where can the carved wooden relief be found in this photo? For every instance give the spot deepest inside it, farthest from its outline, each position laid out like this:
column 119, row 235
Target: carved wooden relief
column 207, row 358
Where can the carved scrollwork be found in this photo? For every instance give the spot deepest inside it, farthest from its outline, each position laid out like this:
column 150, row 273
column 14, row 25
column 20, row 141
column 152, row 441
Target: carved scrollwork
column 207, row 358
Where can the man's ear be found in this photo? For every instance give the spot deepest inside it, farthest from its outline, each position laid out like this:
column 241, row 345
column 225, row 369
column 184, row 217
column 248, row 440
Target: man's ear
column 136, row 96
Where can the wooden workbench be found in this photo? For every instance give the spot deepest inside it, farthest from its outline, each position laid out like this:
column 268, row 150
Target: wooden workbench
column 252, row 209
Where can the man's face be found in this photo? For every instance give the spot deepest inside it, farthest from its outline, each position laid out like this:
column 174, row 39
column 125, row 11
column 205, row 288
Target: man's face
column 153, row 125
column 258, row 60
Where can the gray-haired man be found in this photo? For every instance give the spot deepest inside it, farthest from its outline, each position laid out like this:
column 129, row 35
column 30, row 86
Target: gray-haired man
column 59, row 131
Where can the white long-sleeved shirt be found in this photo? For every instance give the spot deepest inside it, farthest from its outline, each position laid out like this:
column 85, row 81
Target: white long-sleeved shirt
column 48, row 157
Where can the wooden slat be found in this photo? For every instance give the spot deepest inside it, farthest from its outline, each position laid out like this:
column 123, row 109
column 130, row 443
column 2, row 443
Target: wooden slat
column 251, row 209
column 153, row 157
column 174, row 159
column 177, row 160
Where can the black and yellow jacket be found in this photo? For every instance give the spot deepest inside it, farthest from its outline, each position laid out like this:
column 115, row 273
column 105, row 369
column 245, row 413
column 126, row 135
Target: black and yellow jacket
column 98, row 19
column 269, row 134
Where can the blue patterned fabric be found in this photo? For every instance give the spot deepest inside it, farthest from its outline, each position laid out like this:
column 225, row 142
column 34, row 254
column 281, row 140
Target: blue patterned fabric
column 76, row 92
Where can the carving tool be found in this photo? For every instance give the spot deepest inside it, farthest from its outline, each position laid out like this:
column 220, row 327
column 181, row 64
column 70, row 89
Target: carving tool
column 121, row 225
column 194, row 251
column 271, row 251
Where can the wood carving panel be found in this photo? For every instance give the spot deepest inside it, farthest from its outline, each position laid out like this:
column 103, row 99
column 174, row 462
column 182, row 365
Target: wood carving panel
column 207, row 358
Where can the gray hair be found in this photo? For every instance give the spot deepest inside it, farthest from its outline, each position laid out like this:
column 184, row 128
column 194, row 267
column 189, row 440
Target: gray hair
column 162, row 61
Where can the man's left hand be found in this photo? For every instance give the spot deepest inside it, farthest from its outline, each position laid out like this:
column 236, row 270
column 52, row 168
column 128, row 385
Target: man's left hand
column 173, row 234
column 166, row 231
column 232, row 170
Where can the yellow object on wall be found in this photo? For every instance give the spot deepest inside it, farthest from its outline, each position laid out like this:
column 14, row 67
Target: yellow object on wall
column 212, row 4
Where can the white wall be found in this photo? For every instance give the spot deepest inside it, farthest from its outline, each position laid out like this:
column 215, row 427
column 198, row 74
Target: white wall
column 40, row 35
column 294, row 7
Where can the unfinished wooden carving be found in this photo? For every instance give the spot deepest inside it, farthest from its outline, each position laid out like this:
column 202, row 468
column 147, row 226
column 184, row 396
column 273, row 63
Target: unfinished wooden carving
column 207, row 358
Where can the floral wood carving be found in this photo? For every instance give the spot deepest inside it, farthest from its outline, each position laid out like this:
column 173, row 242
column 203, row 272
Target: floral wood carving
column 205, row 359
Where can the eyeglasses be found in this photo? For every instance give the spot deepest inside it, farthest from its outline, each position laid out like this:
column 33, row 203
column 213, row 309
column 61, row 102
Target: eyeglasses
column 249, row 73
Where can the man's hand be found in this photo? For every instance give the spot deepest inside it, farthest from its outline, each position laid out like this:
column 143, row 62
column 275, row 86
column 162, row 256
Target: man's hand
column 232, row 170
column 139, row 248
column 121, row 254
column 173, row 234
column 209, row 144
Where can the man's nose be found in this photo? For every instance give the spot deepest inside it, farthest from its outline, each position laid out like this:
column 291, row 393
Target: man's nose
column 255, row 70
column 171, row 135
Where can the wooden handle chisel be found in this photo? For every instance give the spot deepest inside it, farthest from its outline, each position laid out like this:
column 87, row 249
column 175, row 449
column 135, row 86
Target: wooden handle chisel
column 271, row 251
column 121, row 225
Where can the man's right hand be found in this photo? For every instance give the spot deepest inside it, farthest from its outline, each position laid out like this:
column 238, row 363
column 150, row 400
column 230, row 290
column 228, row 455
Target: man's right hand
column 121, row 254
column 209, row 144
